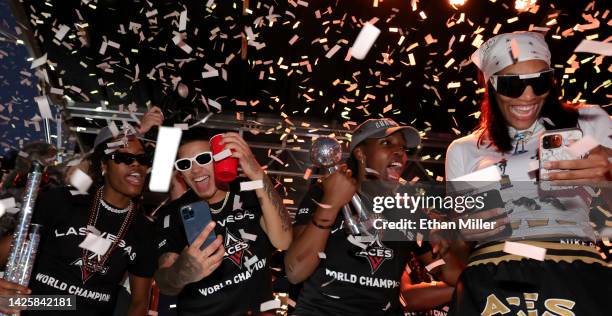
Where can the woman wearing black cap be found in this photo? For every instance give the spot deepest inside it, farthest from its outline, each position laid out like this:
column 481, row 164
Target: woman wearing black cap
column 521, row 104
column 342, row 277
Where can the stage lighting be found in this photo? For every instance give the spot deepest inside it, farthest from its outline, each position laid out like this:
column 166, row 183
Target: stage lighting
column 524, row 5
column 457, row 2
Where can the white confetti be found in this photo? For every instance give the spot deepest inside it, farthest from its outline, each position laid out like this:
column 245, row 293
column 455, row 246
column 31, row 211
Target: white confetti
column 222, row 155
column 183, row 21
column 39, row 61
column 80, row 180
column 332, row 51
column 6, row 204
column 251, row 185
column 270, row 305
column 61, row 32
column 168, row 140
column 435, row 264
column 594, row 47
column 525, row 250
column 95, row 244
column 490, row 173
column 247, row 236
column 43, row 106
column 366, row 38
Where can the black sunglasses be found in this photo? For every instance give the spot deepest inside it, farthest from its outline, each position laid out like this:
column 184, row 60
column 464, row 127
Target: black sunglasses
column 513, row 86
column 128, row 158
column 202, row 159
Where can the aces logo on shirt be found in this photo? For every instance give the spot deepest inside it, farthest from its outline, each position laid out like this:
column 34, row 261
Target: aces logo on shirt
column 235, row 248
column 376, row 254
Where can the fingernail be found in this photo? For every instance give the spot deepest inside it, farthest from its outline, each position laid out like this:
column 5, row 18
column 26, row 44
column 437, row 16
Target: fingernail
column 547, row 164
column 501, row 211
column 545, row 176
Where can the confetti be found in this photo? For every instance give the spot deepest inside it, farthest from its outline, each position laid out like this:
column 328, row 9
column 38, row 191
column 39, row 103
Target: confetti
column 222, row 155
column 39, row 61
column 434, row 265
column 6, row 204
column 270, row 305
column 95, row 244
column 61, row 32
column 43, row 107
column 594, row 47
column 490, row 173
column 247, row 236
column 366, row 38
column 525, row 250
column 166, row 221
column 251, row 185
column 80, row 180
column 167, row 144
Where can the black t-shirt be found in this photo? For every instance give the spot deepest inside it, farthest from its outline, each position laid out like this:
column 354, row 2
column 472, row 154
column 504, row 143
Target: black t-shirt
column 241, row 283
column 351, row 280
column 57, row 269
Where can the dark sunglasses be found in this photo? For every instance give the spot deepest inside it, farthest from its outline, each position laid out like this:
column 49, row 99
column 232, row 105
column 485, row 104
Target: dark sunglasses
column 201, row 159
column 128, row 158
column 513, row 86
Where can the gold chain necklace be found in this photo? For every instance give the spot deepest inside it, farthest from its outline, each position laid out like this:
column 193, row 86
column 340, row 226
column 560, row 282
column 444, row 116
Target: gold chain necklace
column 216, row 211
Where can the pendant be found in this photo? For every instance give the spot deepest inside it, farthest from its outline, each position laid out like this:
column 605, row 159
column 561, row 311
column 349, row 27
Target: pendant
column 85, row 274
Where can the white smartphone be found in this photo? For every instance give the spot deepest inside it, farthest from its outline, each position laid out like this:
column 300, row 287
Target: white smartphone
column 553, row 146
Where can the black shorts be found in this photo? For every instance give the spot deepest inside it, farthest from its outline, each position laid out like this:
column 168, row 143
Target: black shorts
column 572, row 280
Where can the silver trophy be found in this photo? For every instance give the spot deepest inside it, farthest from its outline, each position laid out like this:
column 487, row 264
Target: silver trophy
column 26, row 236
column 326, row 153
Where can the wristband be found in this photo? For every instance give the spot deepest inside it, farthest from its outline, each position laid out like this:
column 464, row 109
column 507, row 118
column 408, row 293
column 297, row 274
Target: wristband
column 319, row 225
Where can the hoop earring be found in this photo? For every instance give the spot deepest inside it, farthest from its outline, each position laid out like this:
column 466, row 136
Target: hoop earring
column 103, row 172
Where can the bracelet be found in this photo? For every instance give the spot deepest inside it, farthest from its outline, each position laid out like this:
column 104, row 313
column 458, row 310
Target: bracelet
column 319, row 225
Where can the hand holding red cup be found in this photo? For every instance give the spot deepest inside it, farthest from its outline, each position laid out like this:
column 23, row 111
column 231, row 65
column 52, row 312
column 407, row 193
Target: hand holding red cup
column 226, row 170
column 241, row 152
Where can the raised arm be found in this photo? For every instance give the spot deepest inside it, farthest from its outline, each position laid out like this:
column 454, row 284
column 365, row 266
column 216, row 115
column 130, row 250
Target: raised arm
column 275, row 221
column 302, row 257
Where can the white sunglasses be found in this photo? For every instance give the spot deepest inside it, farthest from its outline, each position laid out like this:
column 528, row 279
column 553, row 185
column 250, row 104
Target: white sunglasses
column 201, row 159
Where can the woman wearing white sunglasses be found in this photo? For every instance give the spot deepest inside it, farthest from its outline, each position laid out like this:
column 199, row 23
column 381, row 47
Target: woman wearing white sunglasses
column 231, row 276
column 519, row 105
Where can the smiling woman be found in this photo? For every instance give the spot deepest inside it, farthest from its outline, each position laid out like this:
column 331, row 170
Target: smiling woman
column 520, row 105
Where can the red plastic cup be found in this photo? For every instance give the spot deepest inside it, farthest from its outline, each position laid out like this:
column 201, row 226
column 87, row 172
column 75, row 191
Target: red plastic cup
column 226, row 170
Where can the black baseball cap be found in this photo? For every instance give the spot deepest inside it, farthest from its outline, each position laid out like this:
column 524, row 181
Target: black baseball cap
column 383, row 127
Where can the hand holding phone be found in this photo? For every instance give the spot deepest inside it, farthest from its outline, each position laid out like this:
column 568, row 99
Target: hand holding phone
column 195, row 217
column 554, row 146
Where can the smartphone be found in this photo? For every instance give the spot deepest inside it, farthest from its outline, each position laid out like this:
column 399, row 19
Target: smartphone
column 553, row 146
column 195, row 217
